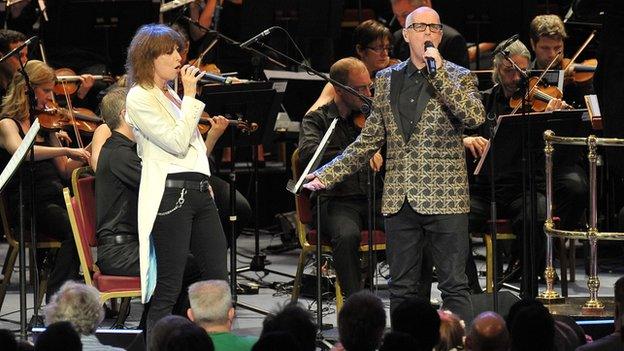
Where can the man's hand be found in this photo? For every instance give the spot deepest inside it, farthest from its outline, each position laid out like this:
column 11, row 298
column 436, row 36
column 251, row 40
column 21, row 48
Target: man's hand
column 556, row 104
column 313, row 183
column 218, row 125
column 434, row 54
column 376, row 162
column 86, row 83
column 476, row 145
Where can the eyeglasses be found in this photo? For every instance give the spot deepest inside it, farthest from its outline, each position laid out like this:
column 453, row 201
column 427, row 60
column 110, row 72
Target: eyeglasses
column 380, row 49
column 420, row 27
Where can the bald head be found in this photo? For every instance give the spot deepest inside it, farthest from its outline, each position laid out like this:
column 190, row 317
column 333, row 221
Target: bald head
column 422, row 14
column 488, row 333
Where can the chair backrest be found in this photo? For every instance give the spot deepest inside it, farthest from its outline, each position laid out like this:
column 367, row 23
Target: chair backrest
column 83, row 184
column 303, row 205
column 80, row 235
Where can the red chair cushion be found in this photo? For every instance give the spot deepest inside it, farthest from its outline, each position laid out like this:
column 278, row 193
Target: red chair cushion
column 109, row 283
column 86, row 190
column 379, row 237
column 81, row 231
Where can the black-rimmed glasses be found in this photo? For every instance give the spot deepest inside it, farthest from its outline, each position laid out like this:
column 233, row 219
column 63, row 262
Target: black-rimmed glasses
column 420, row 27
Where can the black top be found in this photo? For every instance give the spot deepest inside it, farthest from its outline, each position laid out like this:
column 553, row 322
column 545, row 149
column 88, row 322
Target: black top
column 414, row 95
column 452, row 47
column 48, row 183
column 313, row 127
column 117, row 187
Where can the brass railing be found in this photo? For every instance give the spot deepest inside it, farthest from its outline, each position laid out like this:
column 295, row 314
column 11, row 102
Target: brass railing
column 592, row 234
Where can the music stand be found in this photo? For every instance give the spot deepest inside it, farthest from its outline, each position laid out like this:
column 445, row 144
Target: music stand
column 257, row 104
column 507, row 154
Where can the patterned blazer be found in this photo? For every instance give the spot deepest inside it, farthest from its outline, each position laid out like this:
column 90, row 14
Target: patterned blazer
column 428, row 168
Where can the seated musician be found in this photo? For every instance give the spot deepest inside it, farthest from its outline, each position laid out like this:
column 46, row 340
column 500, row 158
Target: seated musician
column 344, row 210
column 9, row 40
column 570, row 178
column 508, row 180
column 52, row 164
column 372, row 46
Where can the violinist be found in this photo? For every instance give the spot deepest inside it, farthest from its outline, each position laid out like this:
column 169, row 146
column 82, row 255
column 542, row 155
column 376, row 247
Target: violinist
column 372, row 46
column 508, row 179
column 344, row 209
column 9, row 40
column 547, row 34
column 53, row 163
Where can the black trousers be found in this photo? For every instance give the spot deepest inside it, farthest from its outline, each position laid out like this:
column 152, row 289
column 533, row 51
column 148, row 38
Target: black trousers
column 187, row 220
column 445, row 236
column 342, row 220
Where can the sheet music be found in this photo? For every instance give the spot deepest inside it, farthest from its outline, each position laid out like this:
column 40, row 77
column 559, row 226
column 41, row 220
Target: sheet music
column 19, row 154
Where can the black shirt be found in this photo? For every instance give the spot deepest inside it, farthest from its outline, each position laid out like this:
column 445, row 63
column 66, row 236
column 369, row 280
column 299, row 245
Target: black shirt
column 117, row 187
column 313, row 127
column 413, row 97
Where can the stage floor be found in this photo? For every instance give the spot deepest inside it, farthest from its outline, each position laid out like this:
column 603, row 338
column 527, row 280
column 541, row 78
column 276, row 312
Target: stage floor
column 275, row 290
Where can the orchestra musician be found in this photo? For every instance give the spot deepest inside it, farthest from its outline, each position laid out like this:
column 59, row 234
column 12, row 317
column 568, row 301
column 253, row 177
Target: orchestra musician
column 53, row 163
column 176, row 213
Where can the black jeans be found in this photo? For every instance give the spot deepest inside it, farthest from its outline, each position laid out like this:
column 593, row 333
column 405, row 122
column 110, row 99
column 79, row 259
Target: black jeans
column 193, row 225
column 343, row 219
column 446, row 237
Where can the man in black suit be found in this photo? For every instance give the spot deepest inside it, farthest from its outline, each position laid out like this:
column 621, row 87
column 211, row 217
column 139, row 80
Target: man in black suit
column 452, row 47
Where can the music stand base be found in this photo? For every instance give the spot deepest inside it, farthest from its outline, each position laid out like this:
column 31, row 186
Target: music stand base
column 547, row 298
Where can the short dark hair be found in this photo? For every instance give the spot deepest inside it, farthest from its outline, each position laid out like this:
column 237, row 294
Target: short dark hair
column 8, row 37
column 618, row 292
column 276, row 341
column 369, row 31
column 361, row 322
column 531, row 326
column 425, row 329
column 172, row 333
column 59, row 336
column 399, row 341
column 295, row 320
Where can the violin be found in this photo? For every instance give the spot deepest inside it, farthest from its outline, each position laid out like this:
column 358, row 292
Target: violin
column 244, row 126
column 71, row 81
column 583, row 71
column 56, row 118
column 538, row 97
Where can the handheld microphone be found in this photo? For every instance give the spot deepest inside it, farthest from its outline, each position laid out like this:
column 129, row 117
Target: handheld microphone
column 431, row 64
column 257, row 37
column 504, row 45
column 211, row 78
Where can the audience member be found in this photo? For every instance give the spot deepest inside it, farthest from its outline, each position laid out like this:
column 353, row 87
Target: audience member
column 425, row 329
column 172, row 333
column 399, row 341
column 59, row 336
column 277, row 341
column 80, row 305
column 568, row 334
column 531, row 326
column 7, row 340
column 488, row 332
column 211, row 309
column 613, row 341
column 361, row 322
column 452, row 332
column 295, row 320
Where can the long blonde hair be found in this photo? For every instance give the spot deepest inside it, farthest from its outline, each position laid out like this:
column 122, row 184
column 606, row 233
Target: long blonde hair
column 149, row 42
column 15, row 103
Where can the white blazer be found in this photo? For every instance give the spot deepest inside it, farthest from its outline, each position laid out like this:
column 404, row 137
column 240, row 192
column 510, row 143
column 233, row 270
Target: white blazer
column 164, row 136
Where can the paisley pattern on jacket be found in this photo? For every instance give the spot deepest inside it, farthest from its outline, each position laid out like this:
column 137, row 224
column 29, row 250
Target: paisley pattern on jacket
column 429, row 169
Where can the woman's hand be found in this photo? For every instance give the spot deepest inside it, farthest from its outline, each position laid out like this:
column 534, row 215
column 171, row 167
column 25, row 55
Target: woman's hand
column 190, row 76
column 218, row 125
column 63, row 137
column 78, row 154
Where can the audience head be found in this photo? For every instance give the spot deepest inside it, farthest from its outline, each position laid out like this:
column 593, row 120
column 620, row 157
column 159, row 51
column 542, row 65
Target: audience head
column 488, row 332
column 372, row 44
column 277, row 341
column 402, row 8
column 451, row 331
column 150, row 42
column 531, row 326
column 172, row 333
column 113, row 107
column 78, row 304
column 399, row 341
column 361, row 322
column 211, row 304
column 416, row 317
column 295, row 320
column 618, row 288
column 7, row 340
column 59, row 336
column 547, row 34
